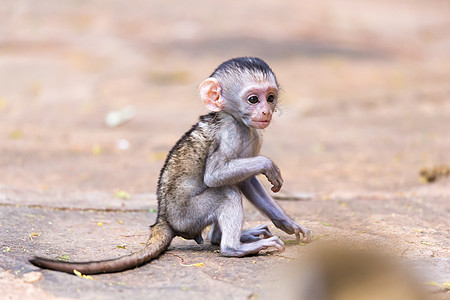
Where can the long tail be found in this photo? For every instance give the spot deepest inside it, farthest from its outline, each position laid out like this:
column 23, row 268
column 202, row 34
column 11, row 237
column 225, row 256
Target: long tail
column 159, row 241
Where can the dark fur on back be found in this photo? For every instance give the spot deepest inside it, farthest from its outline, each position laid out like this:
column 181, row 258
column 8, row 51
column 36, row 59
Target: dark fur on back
column 189, row 145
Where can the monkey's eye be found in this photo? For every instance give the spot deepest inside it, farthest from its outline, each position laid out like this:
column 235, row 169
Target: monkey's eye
column 253, row 99
column 270, row 99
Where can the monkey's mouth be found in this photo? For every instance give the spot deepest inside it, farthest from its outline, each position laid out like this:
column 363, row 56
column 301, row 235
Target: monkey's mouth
column 260, row 124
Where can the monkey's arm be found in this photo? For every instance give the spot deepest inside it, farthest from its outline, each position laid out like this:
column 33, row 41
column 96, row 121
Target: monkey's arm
column 256, row 194
column 220, row 173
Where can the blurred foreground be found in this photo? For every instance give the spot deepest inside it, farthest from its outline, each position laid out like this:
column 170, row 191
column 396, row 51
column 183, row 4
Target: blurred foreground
column 337, row 271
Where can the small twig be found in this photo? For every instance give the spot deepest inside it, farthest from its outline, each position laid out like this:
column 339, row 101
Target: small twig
column 294, row 197
column 182, row 259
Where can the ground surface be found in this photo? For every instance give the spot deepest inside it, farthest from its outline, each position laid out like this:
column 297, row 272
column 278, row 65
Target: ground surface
column 366, row 105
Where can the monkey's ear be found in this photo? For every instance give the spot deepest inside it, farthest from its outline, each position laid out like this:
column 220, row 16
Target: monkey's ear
column 210, row 92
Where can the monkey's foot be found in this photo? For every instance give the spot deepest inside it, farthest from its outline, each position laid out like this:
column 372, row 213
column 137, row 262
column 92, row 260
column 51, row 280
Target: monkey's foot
column 254, row 234
column 199, row 239
column 253, row 248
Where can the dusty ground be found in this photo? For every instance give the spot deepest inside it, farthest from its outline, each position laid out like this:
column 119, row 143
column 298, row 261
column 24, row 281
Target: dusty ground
column 366, row 105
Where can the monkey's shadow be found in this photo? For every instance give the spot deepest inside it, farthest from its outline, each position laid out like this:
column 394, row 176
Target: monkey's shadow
column 207, row 247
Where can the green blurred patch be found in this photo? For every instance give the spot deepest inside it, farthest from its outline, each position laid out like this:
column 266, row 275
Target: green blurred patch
column 122, row 194
column 16, row 134
column 3, row 104
column 169, row 77
column 63, row 257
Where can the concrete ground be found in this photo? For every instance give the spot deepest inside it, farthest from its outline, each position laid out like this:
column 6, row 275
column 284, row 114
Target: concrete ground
column 365, row 107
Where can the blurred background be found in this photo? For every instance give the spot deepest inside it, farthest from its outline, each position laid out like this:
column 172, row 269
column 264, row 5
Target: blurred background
column 365, row 102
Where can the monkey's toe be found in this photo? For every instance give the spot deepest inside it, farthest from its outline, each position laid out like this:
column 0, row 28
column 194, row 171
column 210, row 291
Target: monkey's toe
column 257, row 233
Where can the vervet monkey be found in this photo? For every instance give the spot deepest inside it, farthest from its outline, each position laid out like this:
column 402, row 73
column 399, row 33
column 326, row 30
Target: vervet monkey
column 209, row 169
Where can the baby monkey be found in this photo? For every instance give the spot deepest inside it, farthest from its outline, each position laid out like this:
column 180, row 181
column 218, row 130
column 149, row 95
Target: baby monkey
column 209, row 169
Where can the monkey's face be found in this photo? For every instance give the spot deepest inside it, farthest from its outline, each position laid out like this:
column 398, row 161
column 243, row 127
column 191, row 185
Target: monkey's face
column 249, row 96
column 259, row 101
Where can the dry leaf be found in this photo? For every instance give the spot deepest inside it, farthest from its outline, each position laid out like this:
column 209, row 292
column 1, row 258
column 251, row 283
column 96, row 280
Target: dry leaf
column 84, row 276
column 194, row 265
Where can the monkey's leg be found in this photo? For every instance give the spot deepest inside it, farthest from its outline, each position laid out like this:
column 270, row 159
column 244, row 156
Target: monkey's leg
column 247, row 236
column 215, row 234
column 230, row 221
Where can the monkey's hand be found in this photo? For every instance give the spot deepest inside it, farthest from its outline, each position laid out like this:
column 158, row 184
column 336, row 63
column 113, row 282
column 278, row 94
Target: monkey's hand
column 255, row 234
column 273, row 174
column 289, row 226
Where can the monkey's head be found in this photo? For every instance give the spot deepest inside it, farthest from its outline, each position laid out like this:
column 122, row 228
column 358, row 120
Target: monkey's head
column 244, row 87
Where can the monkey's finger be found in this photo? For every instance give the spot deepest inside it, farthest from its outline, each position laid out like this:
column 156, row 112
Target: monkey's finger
column 280, row 248
column 275, row 242
column 260, row 230
column 258, row 233
column 306, row 236
column 297, row 237
column 280, row 178
column 276, row 245
column 265, row 233
column 280, row 181
column 276, row 186
column 280, row 184
column 262, row 226
column 279, row 245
